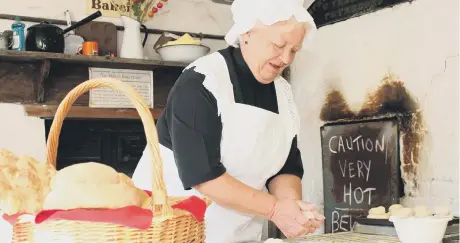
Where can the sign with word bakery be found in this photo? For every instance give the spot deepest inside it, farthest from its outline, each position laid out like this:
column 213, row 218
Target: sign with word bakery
column 360, row 170
column 108, row 8
column 140, row 80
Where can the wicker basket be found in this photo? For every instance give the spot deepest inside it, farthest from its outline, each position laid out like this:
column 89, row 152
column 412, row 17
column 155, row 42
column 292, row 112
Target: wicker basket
column 169, row 225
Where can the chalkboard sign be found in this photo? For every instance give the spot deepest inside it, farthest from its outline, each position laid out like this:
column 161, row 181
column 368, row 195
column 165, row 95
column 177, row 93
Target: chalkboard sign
column 360, row 170
column 326, row 12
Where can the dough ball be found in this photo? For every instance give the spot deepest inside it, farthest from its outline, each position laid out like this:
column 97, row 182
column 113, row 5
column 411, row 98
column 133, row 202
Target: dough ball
column 402, row 212
column 377, row 210
column 394, row 207
column 378, row 216
column 442, row 211
column 271, row 240
column 422, row 211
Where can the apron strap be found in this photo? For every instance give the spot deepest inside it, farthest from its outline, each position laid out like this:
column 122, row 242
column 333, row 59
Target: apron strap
column 217, row 79
column 286, row 104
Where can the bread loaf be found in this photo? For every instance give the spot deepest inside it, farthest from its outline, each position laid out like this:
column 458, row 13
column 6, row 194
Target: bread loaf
column 92, row 185
column 24, row 183
column 86, row 173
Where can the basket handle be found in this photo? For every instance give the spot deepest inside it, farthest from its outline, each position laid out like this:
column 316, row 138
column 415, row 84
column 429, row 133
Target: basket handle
column 159, row 195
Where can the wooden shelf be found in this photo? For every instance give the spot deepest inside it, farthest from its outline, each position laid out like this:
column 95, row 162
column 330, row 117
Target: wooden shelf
column 90, row 60
column 41, row 80
column 48, row 111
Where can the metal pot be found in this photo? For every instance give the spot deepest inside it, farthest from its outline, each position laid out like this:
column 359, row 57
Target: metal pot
column 46, row 37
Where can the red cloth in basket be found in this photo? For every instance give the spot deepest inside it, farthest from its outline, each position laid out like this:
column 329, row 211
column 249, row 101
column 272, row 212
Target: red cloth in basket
column 131, row 216
column 11, row 218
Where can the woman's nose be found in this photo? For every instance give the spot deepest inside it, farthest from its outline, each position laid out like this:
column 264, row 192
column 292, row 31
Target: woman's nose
column 287, row 57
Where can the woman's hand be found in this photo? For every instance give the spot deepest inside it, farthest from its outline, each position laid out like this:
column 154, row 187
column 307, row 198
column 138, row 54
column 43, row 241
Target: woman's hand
column 310, row 212
column 288, row 217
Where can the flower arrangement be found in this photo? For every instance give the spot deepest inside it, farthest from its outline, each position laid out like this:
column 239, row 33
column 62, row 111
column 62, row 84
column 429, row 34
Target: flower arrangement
column 140, row 10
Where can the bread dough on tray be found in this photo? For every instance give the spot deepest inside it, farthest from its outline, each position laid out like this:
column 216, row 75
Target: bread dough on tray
column 394, row 207
column 377, row 210
column 378, row 216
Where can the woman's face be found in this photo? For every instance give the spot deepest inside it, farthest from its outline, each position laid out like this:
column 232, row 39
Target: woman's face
column 268, row 50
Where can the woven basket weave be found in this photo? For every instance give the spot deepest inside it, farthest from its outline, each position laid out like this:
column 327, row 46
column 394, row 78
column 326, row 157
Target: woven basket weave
column 169, row 225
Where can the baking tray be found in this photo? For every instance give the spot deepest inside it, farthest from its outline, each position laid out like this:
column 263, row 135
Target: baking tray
column 451, row 239
column 385, row 222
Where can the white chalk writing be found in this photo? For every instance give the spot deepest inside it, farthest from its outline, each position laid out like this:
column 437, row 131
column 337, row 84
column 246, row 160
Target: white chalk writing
column 361, row 168
column 339, row 144
column 340, row 222
column 359, row 195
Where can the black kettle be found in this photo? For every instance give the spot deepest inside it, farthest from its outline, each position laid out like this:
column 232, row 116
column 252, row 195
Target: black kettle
column 47, row 37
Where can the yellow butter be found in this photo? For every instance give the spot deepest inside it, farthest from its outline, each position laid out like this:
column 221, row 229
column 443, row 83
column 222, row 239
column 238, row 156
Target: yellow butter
column 186, row 39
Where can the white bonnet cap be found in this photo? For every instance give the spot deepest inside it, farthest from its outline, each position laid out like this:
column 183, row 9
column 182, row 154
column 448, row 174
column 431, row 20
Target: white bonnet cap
column 247, row 12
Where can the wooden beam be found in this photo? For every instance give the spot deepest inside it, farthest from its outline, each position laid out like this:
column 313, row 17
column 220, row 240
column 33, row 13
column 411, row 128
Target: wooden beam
column 42, row 78
column 48, row 111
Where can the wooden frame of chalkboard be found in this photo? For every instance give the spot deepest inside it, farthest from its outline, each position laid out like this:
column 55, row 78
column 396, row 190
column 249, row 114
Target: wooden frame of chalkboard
column 361, row 169
column 326, row 12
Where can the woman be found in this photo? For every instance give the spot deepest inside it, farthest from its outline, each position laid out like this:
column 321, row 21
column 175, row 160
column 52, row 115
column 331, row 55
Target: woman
column 230, row 127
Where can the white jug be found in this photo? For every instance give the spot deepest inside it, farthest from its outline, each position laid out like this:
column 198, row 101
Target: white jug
column 131, row 46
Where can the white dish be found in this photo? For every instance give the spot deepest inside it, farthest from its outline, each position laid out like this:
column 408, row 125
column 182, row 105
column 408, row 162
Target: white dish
column 429, row 229
column 182, row 52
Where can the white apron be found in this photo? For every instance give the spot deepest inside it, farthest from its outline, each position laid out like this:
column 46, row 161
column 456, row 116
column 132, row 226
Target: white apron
column 255, row 144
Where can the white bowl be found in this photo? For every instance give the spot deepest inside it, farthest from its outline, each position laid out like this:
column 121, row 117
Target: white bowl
column 420, row 230
column 182, row 52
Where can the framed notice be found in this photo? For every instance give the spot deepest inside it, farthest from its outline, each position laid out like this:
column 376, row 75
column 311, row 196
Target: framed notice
column 141, row 80
column 360, row 170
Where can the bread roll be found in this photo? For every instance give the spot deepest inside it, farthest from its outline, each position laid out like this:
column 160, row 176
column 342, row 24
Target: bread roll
column 402, row 212
column 422, row 211
column 394, row 207
column 377, row 210
column 378, row 216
